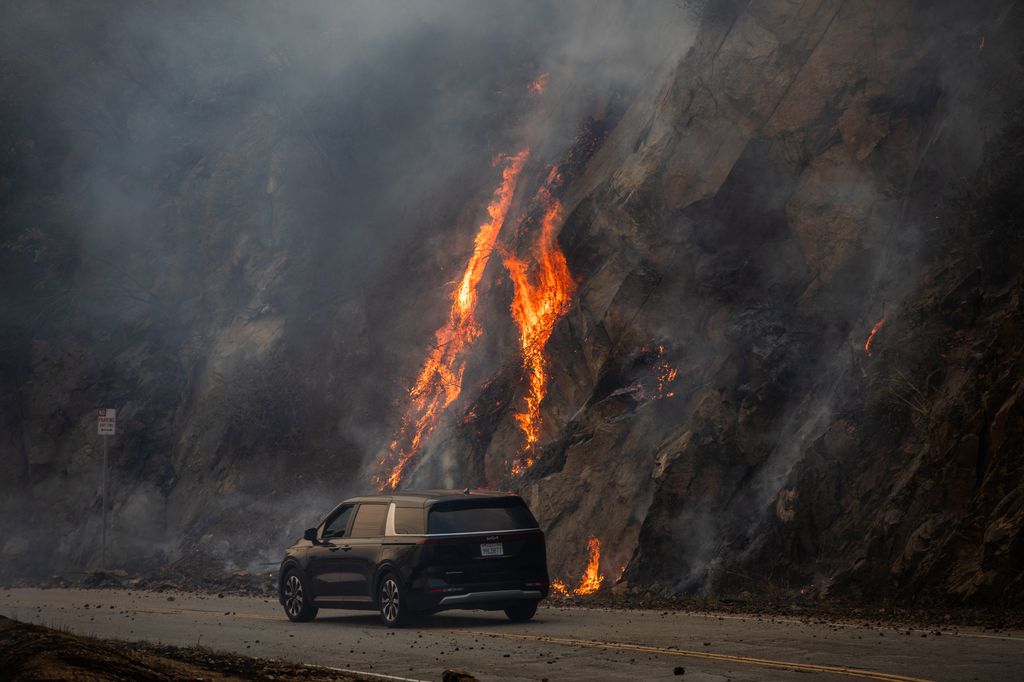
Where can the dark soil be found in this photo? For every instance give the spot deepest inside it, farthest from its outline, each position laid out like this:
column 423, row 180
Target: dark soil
column 30, row 652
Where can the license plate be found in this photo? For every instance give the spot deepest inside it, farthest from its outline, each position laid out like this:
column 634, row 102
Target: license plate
column 492, row 549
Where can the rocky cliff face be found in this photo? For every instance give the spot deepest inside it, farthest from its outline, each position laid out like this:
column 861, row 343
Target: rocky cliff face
column 791, row 358
column 787, row 191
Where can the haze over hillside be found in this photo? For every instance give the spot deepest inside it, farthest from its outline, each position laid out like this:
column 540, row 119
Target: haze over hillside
column 729, row 292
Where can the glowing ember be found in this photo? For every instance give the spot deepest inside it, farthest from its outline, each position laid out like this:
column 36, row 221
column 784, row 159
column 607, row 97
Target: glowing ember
column 538, row 84
column 559, row 588
column 871, row 336
column 440, row 380
column 538, row 303
column 665, row 373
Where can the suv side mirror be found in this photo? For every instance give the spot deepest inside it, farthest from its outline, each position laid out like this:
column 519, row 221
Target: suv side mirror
column 310, row 535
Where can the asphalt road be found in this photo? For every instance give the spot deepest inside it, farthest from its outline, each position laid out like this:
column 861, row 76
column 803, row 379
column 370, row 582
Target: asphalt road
column 559, row 644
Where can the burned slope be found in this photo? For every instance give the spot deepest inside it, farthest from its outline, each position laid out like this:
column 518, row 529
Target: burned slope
column 769, row 375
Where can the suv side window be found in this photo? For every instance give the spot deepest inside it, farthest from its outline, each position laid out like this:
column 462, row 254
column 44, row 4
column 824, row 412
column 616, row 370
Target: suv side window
column 336, row 527
column 369, row 521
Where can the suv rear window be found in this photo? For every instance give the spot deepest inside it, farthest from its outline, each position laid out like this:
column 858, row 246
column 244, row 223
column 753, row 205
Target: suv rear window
column 409, row 520
column 479, row 516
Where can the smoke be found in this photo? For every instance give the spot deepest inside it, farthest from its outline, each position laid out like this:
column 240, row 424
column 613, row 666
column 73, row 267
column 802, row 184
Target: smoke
column 237, row 223
column 241, row 224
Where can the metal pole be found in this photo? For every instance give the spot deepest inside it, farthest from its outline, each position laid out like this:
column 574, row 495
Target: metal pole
column 103, row 546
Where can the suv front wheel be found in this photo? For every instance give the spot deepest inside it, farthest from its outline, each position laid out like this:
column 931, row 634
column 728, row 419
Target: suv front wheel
column 296, row 599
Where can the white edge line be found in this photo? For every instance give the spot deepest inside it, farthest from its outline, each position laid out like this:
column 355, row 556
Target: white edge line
column 379, row 676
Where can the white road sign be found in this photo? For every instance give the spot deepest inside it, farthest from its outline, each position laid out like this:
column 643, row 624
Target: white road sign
column 107, row 423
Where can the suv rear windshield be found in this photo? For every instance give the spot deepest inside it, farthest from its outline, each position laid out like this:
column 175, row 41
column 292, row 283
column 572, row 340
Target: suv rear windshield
column 479, row 516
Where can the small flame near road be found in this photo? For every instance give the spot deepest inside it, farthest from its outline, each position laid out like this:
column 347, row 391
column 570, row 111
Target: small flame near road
column 871, row 337
column 439, row 382
column 591, row 580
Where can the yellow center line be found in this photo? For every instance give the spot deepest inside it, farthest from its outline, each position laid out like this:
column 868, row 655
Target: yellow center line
column 746, row 660
column 597, row 644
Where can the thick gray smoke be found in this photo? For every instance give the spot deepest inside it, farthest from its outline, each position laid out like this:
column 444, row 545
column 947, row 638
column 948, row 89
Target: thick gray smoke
column 235, row 223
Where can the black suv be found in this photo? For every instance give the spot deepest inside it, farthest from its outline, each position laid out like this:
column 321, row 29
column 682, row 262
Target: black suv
column 406, row 553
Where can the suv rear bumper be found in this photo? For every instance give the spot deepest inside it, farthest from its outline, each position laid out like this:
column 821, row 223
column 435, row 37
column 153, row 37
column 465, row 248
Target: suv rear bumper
column 472, row 599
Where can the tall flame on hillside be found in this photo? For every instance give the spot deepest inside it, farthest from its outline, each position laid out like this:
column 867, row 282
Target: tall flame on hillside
column 439, row 382
column 542, row 296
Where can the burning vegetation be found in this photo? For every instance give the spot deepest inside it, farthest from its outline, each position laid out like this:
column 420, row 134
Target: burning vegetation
column 665, row 374
column 591, row 580
column 439, row 382
column 542, row 294
column 541, row 299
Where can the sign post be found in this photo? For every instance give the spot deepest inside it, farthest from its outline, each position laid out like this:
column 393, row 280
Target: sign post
column 106, row 426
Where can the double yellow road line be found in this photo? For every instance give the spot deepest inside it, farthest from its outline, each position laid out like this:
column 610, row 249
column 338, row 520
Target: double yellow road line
column 597, row 644
column 707, row 655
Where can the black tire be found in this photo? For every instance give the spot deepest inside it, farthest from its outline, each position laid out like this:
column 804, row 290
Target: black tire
column 296, row 598
column 394, row 609
column 521, row 611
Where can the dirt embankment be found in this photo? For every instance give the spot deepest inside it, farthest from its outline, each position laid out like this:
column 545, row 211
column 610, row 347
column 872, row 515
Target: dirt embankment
column 30, row 652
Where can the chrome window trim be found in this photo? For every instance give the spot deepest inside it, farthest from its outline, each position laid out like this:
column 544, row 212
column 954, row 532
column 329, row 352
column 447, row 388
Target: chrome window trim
column 482, row 532
column 389, row 523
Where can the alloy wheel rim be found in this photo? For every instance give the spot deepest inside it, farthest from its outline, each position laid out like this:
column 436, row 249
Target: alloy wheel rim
column 293, row 595
column 389, row 600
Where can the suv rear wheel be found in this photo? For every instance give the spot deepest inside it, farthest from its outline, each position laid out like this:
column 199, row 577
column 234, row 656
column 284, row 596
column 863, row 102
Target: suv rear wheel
column 393, row 610
column 296, row 598
column 521, row 611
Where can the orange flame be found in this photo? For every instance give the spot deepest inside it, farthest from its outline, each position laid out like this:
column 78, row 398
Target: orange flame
column 538, row 304
column 871, row 336
column 592, row 578
column 538, row 84
column 440, row 380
